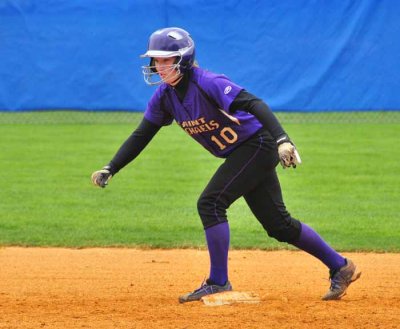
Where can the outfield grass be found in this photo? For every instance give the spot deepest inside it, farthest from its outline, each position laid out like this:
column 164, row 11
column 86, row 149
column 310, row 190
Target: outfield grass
column 347, row 188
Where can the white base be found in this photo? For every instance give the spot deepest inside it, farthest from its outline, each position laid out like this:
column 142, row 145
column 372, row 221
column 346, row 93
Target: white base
column 231, row 297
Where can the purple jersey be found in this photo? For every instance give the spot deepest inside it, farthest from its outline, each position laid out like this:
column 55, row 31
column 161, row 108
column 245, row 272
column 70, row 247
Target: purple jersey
column 204, row 112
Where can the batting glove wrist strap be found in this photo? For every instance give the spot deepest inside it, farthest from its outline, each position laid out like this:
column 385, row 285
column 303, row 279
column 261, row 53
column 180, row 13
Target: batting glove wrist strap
column 101, row 177
column 283, row 139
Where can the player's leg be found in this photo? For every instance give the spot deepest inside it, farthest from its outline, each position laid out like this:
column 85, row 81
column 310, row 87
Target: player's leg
column 267, row 204
column 240, row 173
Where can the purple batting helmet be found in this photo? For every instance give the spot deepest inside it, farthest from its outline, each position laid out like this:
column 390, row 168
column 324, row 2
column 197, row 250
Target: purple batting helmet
column 169, row 42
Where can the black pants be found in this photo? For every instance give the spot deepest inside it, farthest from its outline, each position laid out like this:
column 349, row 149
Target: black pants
column 249, row 171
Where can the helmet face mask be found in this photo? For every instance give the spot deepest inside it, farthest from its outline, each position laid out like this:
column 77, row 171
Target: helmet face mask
column 170, row 72
column 166, row 43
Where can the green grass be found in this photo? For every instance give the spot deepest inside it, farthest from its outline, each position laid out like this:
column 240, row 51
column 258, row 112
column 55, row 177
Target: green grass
column 347, row 188
column 118, row 117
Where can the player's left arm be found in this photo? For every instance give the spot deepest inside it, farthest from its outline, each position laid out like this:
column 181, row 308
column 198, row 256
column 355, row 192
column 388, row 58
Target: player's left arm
column 288, row 153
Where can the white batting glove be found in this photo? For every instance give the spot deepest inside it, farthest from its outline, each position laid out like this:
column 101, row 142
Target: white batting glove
column 101, row 177
column 288, row 154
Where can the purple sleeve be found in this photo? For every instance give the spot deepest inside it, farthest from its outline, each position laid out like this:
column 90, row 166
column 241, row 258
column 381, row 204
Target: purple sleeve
column 223, row 91
column 156, row 111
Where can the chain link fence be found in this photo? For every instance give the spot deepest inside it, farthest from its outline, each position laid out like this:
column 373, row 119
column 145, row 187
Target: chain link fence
column 87, row 117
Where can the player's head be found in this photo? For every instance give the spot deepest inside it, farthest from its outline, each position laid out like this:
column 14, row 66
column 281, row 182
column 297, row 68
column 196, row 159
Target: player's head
column 170, row 42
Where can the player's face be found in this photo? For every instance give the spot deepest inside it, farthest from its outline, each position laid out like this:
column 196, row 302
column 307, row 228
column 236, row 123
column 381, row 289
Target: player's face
column 166, row 69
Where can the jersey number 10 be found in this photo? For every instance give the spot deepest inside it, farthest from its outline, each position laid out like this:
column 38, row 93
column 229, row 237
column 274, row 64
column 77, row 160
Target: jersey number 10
column 227, row 135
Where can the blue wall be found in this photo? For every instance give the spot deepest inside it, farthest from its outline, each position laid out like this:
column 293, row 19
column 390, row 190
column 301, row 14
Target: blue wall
column 297, row 55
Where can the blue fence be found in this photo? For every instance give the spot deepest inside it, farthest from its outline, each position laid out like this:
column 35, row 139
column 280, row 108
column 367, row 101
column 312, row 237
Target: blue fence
column 297, row 55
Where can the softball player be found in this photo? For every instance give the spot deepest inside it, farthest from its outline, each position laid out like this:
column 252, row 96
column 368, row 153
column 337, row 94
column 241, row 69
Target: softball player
column 233, row 124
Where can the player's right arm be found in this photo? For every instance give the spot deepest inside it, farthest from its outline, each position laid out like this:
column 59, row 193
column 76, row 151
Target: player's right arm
column 128, row 151
column 154, row 118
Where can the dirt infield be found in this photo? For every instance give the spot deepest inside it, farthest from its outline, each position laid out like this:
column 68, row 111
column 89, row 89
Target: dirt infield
column 130, row 288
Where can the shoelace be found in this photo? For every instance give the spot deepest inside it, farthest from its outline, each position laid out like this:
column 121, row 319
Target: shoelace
column 336, row 280
column 205, row 286
column 204, row 283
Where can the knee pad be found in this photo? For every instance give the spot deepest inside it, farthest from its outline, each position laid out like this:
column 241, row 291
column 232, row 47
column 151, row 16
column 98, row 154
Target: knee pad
column 288, row 232
column 211, row 211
